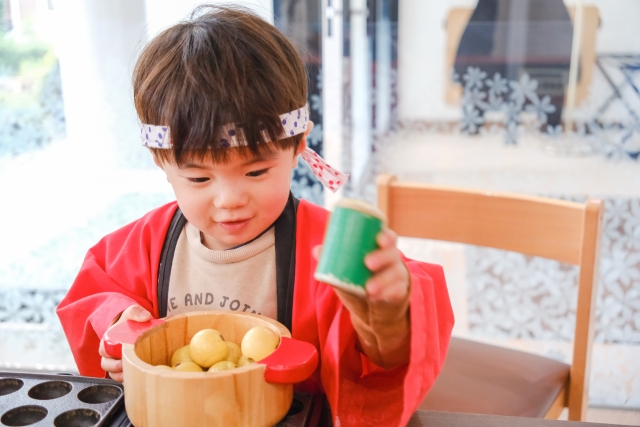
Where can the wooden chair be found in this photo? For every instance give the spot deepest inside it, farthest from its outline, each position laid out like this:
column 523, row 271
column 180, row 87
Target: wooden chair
column 481, row 378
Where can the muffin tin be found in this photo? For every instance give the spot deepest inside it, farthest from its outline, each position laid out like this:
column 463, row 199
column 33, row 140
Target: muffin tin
column 40, row 400
column 304, row 412
column 61, row 400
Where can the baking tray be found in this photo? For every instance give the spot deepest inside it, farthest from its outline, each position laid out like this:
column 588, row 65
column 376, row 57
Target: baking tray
column 38, row 400
column 305, row 411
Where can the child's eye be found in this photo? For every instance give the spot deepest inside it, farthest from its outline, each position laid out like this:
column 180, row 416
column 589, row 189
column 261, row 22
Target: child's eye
column 258, row 172
column 198, row 180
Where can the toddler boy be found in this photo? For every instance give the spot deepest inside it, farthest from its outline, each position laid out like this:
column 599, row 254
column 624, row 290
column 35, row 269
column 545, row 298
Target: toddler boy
column 222, row 101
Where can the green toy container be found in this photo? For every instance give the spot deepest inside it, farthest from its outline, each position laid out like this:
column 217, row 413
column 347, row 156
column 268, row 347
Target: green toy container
column 350, row 236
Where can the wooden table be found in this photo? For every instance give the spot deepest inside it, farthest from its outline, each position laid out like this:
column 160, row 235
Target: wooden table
column 427, row 419
column 457, row 419
column 453, row 419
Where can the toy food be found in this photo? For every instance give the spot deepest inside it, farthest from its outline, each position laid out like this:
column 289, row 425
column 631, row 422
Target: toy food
column 208, row 347
column 259, row 342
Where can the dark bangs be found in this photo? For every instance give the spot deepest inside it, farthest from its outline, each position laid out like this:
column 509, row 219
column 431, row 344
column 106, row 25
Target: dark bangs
column 222, row 155
column 224, row 65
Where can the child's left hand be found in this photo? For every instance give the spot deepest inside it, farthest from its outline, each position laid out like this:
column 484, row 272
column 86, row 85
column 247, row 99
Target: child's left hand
column 382, row 319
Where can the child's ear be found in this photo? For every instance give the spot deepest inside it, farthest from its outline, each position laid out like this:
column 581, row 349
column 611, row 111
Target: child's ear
column 303, row 142
column 302, row 145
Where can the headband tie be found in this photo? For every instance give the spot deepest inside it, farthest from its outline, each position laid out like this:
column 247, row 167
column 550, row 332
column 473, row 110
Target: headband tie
column 293, row 123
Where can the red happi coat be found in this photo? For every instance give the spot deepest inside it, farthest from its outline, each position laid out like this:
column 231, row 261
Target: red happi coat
column 122, row 269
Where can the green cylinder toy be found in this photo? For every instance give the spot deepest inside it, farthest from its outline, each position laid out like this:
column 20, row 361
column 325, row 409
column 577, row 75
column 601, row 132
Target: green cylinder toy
column 350, row 236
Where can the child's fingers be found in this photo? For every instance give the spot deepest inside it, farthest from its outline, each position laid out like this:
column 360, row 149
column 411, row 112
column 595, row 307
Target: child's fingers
column 387, row 238
column 381, row 258
column 101, row 351
column 117, row 376
column 136, row 313
column 390, row 284
column 111, row 365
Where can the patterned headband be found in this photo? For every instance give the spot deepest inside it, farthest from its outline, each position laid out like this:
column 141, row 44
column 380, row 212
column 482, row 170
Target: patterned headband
column 293, row 123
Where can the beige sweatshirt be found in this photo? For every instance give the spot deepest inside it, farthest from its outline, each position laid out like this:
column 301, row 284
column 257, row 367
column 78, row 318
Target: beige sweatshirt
column 241, row 279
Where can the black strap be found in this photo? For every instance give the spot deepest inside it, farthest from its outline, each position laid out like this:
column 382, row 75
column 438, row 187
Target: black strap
column 166, row 259
column 285, row 230
column 286, row 260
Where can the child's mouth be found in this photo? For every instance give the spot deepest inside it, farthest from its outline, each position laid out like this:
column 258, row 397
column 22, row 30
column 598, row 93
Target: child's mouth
column 234, row 225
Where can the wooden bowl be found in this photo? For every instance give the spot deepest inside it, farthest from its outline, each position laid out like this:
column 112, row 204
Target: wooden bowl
column 258, row 394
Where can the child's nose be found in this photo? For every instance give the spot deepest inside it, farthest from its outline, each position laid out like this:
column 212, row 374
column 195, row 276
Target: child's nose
column 229, row 197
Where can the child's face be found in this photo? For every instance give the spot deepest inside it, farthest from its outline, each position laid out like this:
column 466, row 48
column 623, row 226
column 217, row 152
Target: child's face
column 233, row 202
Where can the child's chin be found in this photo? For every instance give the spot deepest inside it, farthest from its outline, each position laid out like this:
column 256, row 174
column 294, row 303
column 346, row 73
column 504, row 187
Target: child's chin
column 223, row 240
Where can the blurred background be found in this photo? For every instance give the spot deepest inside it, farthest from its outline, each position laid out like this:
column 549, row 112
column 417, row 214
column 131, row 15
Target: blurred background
column 533, row 96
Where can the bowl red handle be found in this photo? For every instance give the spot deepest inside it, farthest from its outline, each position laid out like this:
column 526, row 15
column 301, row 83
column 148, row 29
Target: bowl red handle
column 126, row 332
column 292, row 362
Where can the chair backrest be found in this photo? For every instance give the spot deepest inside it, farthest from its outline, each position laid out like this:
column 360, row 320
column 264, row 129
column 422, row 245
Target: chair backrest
column 565, row 231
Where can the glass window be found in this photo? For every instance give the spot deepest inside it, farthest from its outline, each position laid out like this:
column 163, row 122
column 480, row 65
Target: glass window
column 530, row 96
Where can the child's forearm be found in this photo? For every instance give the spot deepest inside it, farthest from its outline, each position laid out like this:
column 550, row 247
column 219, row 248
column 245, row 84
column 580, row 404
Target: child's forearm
column 387, row 344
